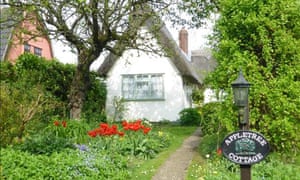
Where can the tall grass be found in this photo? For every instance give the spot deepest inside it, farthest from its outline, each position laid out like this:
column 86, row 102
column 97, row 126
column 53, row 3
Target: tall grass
column 275, row 167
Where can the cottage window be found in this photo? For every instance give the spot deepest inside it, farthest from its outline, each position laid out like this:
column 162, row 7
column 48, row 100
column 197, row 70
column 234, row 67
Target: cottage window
column 26, row 47
column 37, row 51
column 143, row 87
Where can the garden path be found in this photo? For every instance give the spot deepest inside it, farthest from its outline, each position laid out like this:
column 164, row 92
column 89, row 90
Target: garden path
column 175, row 167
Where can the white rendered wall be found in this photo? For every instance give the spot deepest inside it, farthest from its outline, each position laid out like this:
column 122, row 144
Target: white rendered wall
column 167, row 109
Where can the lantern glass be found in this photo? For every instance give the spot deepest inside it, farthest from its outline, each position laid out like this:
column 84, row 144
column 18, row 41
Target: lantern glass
column 240, row 96
column 240, row 89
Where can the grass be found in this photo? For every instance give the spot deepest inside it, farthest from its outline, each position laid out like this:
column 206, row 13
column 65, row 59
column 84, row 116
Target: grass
column 146, row 169
column 193, row 170
column 275, row 166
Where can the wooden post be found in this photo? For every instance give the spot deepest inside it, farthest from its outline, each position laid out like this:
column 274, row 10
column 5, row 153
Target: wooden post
column 245, row 169
column 245, row 172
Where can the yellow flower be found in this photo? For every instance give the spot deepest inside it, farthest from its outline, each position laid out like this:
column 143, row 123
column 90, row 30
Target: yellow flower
column 160, row 133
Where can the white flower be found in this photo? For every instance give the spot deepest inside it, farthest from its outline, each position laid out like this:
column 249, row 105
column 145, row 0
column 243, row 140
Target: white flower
column 207, row 156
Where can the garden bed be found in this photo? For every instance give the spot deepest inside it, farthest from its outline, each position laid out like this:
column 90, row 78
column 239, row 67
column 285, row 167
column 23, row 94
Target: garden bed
column 134, row 154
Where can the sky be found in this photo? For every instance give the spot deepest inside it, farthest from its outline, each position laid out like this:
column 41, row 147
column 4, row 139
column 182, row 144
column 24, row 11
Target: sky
column 197, row 38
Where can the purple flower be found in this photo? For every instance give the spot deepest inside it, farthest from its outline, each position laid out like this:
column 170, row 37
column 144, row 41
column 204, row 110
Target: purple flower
column 81, row 147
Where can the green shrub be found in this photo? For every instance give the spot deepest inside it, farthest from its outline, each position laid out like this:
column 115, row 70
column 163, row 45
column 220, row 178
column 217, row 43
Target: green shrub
column 57, row 78
column 45, row 144
column 210, row 143
column 210, row 122
column 43, row 86
column 7, row 72
column 189, row 117
column 94, row 105
column 67, row 164
column 21, row 112
column 74, row 130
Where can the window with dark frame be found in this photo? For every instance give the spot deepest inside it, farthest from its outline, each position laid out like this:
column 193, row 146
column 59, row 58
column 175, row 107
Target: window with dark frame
column 143, row 87
column 26, row 47
column 37, row 51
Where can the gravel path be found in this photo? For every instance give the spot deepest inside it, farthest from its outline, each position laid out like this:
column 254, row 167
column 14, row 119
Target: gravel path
column 176, row 165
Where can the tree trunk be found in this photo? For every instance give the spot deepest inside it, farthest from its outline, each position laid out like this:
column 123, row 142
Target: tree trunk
column 79, row 87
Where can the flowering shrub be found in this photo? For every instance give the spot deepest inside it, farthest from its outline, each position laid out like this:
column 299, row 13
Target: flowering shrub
column 131, row 139
column 73, row 130
column 62, row 123
column 135, row 126
column 105, row 130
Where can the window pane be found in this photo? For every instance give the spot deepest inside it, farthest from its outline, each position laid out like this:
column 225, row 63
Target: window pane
column 128, row 87
column 37, row 51
column 157, row 86
column 26, row 48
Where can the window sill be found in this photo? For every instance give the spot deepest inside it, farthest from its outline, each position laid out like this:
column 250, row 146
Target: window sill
column 158, row 99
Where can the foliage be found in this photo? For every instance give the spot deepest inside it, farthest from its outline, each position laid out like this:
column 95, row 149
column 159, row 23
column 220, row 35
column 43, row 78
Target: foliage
column 189, row 117
column 73, row 130
column 7, row 72
column 53, row 77
column 89, row 160
column 212, row 122
column 56, row 137
column 198, row 96
column 133, row 138
column 261, row 38
column 210, row 143
column 94, row 105
column 68, row 164
column 35, row 90
column 45, row 144
column 21, row 113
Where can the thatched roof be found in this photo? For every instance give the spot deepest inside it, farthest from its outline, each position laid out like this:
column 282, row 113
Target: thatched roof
column 177, row 56
column 203, row 62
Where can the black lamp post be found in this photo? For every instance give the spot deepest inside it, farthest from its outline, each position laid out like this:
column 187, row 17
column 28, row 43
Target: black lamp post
column 240, row 89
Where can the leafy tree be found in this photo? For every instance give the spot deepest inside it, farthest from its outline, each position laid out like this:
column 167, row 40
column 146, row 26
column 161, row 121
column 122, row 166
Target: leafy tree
column 93, row 28
column 262, row 38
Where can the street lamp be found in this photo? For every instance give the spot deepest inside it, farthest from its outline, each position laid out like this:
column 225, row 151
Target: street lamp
column 240, row 89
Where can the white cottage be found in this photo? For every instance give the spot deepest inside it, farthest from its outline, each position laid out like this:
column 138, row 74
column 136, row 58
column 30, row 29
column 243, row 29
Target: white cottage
column 152, row 86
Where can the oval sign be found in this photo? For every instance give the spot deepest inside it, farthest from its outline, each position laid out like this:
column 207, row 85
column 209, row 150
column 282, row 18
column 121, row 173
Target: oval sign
column 245, row 147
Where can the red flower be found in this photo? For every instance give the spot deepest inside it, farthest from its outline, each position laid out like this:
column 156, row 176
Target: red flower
column 121, row 134
column 104, row 125
column 92, row 133
column 219, row 151
column 56, row 123
column 146, row 130
column 124, row 123
column 64, row 123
